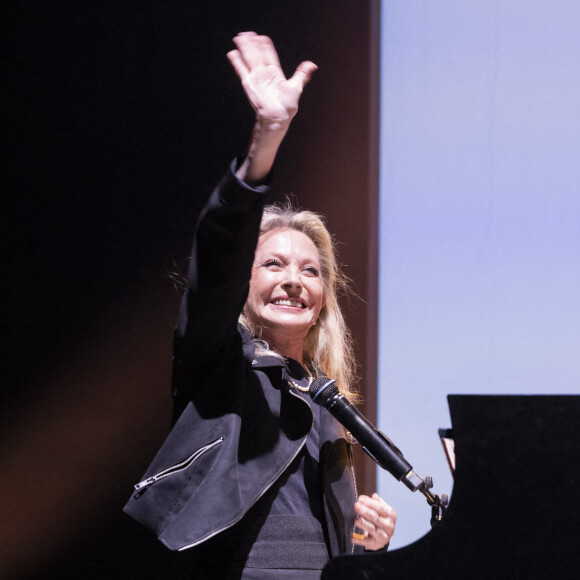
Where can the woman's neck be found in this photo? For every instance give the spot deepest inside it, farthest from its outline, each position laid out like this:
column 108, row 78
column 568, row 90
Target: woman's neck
column 286, row 347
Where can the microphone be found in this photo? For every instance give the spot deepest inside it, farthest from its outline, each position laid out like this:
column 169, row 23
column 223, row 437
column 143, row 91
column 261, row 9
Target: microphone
column 376, row 444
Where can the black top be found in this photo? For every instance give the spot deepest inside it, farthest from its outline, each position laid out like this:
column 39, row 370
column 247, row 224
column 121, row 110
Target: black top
column 285, row 528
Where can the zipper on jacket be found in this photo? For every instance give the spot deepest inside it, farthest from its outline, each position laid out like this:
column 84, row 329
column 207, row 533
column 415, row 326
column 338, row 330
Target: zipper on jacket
column 350, row 457
column 142, row 486
column 284, row 467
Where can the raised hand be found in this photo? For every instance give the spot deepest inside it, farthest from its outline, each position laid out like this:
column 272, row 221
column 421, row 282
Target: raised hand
column 273, row 97
column 376, row 518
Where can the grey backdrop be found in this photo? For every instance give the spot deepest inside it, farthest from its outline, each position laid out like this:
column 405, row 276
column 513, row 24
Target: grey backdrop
column 480, row 217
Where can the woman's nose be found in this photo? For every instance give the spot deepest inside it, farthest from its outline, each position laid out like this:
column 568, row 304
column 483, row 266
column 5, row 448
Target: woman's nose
column 291, row 278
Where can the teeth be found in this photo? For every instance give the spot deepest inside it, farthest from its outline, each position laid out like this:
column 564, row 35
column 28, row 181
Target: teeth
column 295, row 303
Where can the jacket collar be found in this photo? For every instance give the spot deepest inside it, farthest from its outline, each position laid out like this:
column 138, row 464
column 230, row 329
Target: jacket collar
column 267, row 362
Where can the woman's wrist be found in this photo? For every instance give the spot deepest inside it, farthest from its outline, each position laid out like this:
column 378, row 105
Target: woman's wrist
column 267, row 137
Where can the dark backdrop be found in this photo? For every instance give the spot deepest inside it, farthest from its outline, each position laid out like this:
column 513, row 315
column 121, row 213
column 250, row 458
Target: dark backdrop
column 118, row 119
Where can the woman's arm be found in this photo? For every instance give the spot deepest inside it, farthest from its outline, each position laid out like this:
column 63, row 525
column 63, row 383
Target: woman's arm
column 227, row 231
column 273, row 98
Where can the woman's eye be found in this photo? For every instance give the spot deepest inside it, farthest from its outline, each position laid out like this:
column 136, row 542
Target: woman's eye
column 312, row 271
column 271, row 264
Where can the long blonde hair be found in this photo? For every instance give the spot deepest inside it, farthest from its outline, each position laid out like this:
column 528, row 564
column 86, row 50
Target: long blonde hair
column 328, row 345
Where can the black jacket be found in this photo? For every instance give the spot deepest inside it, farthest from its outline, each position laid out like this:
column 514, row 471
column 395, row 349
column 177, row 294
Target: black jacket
column 239, row 424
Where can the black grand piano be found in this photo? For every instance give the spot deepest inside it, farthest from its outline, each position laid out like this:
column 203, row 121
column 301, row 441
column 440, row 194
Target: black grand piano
column 515, row 508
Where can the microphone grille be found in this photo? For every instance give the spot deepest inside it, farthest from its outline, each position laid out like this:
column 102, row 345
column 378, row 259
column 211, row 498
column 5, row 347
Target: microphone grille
column 322, row 389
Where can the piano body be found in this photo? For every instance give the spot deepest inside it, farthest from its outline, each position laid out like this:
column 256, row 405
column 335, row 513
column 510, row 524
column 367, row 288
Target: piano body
column 515, row 508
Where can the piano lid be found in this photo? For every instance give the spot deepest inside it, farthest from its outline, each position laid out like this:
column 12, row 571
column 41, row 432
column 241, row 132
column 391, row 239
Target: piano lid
column 515, row 508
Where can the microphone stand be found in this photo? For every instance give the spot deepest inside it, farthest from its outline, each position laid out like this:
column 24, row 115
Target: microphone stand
column 375, row 443
column 411, row 479
column 438, row 504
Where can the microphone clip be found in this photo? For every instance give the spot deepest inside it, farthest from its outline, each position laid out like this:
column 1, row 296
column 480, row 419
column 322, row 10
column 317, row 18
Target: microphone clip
column 438, row 504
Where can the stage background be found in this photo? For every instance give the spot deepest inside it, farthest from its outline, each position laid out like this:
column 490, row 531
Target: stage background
column 118, row 119
column 480, row 217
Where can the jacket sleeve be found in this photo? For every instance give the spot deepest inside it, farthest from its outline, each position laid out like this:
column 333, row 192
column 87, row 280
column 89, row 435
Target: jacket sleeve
column 219, row 275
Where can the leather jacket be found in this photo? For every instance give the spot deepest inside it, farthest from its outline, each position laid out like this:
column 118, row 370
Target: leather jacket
column 238, row 423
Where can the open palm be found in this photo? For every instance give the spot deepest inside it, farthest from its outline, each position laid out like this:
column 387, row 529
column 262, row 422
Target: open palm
column 271, row 95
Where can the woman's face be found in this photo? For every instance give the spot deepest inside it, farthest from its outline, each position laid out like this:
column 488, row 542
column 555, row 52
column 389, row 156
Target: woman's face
column 286, row 292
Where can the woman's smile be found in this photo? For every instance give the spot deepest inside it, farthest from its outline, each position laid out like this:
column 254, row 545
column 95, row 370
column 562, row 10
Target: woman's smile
column 287, row 302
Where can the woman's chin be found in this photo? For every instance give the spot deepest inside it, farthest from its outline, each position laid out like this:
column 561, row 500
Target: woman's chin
column 288, row 327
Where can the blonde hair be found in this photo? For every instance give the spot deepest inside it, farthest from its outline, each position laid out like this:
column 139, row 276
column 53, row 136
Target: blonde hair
column 328, row 345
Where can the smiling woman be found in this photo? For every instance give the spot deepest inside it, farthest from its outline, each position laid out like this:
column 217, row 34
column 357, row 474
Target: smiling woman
column 325, row 345
column 254, row 480
column 286, row 294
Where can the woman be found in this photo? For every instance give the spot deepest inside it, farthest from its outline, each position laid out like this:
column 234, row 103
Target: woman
column 254, row 481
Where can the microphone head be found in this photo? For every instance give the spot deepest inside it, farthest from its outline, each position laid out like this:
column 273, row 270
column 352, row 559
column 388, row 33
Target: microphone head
column 322, row 390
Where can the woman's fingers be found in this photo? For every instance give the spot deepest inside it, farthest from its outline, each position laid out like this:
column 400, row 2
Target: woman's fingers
column 377, row 521
column 268, row 52
column 238, row 63
column 273, row 97
column 256, row 50
column 303, row 74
